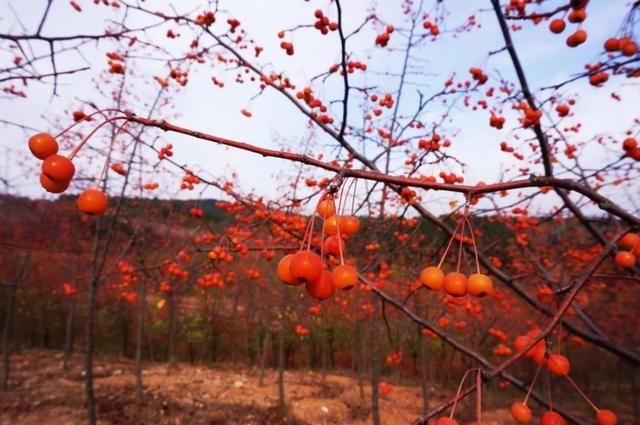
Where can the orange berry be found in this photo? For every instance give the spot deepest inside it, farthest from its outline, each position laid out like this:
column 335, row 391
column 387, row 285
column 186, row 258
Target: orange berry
column 322, row 287
column 606, row 417
column 283, row 272
column 479, row 285
column 538, row 354
column 552, row 418
column 326, row 208
column 629, row 241
column 51, row 186
column 455, row 284
column 344, row 276
column 43, row 145
column 432, row 278
column 58, row 168
column 577, row 16
column 625, row 259
column 521, row 413
column 521, row 342
column 577, row 38
column 612, row 45
column 349, row 225
column 332, row 245
column 628, row 47
column 93, row 202
column 331, row 225
column 305, row 267
column 557, row 26
column 629, row 144
column 558, row 364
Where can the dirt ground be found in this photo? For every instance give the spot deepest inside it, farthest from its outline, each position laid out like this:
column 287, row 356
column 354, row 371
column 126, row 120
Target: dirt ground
column 42, row 393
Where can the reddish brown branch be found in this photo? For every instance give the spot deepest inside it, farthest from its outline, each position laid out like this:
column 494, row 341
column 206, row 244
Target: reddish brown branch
column 533, row 181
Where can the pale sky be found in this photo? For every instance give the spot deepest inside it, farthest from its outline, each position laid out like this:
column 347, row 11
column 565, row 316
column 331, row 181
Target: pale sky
column 276, row 122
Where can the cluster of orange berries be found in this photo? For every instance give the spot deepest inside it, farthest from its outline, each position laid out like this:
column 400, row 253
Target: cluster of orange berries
column 119, row 169
column 306, row 267
column 432, row 27
column 385, row 388
column 315, row 310
column 287, row 47
column 630, row 146
column 219, row 253
column 210, row 279
column 115, row 63
column 531, row 116
column 625, row 45
column 558, row 365
column 394, row 358
column 323, row 24
column 496, row 121
column 312, row 102
column 205, row 19
column 57, row 172
column 577, row 15
column 382, row 39
column 165, row 287
column 478, row 75
column 68, row 290
column 456, row 284
column 302, row 331
column 174, row 269
column 629, row 246
column 165, row 151
column 196, row 212
column 189, row 181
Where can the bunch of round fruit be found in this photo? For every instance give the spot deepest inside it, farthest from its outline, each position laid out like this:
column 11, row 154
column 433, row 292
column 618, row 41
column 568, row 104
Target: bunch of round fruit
column 306, row 268
column 456, row 284
column 57, row 172
column 629, row 246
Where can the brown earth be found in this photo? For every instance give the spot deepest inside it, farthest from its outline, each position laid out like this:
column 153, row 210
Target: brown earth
column 42, row 393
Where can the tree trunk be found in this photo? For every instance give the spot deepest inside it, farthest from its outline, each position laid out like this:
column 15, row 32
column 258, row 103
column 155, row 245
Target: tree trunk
column 263, row 357
column 69, row 333
column 362, row 360
column 422, row 359
column 139, row 340
column 89, row 347
column 124, row 328
column 171, row 349
column 634, row 376
column 283, row 323
column 6, row 334
column 375, row 364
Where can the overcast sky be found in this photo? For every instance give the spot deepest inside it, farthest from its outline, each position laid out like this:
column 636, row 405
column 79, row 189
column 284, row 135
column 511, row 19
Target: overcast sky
column 275, row 122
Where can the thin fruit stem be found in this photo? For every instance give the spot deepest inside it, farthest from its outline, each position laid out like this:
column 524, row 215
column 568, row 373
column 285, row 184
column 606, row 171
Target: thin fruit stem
column 322, row 238
column 460, row 243
column 446, row 251
column 582, row 394
column 475, row 246
column 353, row 198
column 307, row 230
column 310, row 236
column 339, row 236
column 86, row 118
column 533, row 382
column 103, row 174
column 455, row 403
column 91, row 133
